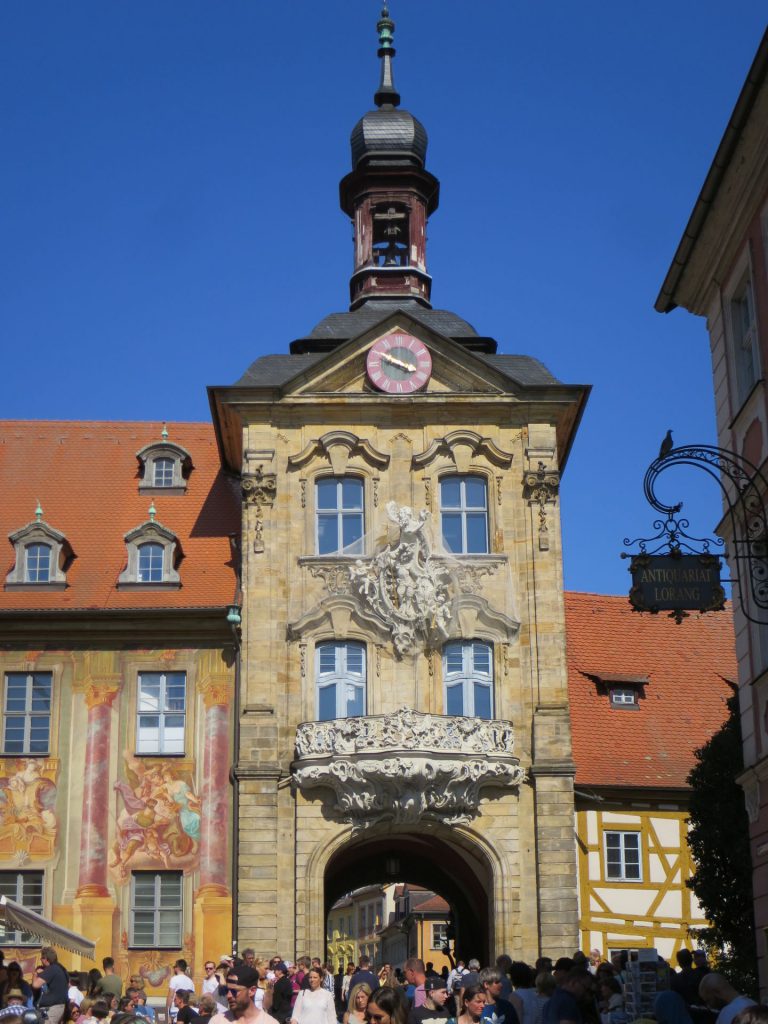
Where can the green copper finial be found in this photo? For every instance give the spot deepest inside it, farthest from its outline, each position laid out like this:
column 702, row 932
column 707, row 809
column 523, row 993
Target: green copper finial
column 164, row 434
column 39, row 511
column 152, row 512
column 387, row 95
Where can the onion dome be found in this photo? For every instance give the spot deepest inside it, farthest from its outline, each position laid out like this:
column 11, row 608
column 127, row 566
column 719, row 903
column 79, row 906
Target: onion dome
column 387, row 134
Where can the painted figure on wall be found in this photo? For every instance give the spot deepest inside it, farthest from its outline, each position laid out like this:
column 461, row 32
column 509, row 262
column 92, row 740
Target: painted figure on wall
column 28, row 825
column 159, row 825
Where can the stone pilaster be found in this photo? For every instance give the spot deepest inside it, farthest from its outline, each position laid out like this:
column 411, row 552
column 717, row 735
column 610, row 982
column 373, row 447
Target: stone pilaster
column 553, row 772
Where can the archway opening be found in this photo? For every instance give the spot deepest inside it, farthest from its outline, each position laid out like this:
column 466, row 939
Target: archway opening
column 459, row 874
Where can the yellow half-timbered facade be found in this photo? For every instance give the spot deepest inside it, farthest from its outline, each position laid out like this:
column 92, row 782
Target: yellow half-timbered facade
column 644, row 694
column 634, row 862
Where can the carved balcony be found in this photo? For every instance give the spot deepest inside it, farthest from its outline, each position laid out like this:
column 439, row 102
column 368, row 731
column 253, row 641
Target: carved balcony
column 406, row 766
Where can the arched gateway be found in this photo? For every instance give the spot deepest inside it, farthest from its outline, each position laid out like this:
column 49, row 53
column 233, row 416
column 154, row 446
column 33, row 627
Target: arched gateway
column 403, row 689
column 448, row 862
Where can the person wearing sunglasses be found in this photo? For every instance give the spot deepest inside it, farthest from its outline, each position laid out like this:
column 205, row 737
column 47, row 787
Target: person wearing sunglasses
column 387, row 1006
column 242, row 983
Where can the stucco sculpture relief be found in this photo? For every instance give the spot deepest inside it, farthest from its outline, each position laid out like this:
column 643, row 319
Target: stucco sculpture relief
column 405, row 729
column 404, row 585
column 406, row 766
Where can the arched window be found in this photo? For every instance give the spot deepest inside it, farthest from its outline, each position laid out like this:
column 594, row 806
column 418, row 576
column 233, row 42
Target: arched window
column 38, row 563
column 468, row 678
column 340, row 677
column 163, row 472
column 464, row 514
column 150, row 568
column 339, row 515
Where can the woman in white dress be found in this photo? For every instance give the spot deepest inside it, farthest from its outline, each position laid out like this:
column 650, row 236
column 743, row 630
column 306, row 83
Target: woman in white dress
column 314, row 1005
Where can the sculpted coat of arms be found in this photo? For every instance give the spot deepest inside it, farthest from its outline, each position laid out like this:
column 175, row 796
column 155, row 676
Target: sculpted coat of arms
column 404, row 585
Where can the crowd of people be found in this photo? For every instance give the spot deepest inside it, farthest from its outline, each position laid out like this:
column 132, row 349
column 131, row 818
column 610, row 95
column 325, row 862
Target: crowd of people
column 252, row 990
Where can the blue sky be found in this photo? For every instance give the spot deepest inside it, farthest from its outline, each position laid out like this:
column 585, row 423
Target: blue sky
column 170, row 210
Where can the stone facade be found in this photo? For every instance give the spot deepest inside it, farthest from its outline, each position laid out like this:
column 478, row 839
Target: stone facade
column 518, row 832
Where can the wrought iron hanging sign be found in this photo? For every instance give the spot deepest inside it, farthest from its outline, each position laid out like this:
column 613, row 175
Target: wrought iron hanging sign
column 677, row 573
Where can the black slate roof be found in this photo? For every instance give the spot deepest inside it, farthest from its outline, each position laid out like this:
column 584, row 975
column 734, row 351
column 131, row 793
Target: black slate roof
column 388, row 132
column 274, row 371
column 524, row 369
column 339, row 327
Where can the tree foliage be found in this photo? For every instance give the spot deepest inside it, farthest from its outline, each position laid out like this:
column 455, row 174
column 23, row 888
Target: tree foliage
column 719, row 843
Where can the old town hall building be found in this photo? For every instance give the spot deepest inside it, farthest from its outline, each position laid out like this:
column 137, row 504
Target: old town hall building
column 319, row 645
column 403, row 687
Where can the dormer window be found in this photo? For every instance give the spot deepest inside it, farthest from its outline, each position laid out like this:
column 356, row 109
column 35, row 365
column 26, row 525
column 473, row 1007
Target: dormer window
column 623, row 697
column 153, row 555
column 42, row 556
column 164, row 466
column 623, row 692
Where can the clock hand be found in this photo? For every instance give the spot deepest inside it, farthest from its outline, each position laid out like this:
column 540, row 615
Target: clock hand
column 398, row 362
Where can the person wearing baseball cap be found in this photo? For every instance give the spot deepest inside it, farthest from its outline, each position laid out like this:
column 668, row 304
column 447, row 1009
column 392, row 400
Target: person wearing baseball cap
column 433, row 1008
column 242, row 983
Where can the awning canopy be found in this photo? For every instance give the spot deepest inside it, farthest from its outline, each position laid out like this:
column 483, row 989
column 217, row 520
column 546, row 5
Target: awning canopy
column 16, row 916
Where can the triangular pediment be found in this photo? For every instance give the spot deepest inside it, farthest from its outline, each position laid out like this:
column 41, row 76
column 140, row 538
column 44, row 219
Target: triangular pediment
column 454, row 370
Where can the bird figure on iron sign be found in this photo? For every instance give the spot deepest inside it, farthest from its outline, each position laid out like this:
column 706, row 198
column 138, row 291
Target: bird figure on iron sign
column 666, row 445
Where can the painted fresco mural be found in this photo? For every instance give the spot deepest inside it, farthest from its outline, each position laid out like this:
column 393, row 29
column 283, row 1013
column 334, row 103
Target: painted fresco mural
column 28, row 823
column 159, row 824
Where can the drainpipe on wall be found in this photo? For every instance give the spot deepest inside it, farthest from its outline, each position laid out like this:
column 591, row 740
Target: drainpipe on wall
column 234, row 619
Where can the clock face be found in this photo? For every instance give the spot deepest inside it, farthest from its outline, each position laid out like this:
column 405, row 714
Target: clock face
column 398, row 363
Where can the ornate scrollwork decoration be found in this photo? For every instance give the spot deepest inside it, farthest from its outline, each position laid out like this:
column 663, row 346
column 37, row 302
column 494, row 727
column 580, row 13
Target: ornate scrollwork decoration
column 475, row 443
column 259, row 488
column 745, row 489
column 335, row 576
column 404, row 585
column 406, row 767
column 541, row 487
column 337, row 446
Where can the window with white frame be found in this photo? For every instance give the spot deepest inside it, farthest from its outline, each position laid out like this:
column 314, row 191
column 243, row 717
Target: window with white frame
column 156, row 909
column 439, row 935
column 468, row 678
column 26, row 888
column 37, row 563
column 339, row 515
column 340, row 676
column 27, row 712
column 150, row 568
column 623, row 697
column 622, row 856
column 744, row 334
column 161, row 715
column 163, row 472
column 464, row 514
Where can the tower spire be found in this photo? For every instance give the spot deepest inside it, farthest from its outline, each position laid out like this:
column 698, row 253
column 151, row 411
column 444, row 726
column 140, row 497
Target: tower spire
column 387, row 95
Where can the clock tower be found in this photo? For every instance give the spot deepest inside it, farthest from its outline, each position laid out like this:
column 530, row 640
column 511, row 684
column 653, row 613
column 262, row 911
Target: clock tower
column 389, row 194
column 402, row 698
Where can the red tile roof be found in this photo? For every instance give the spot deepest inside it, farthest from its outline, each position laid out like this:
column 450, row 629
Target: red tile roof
column 86, row 478
column 429, row 903
column 683, row 702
